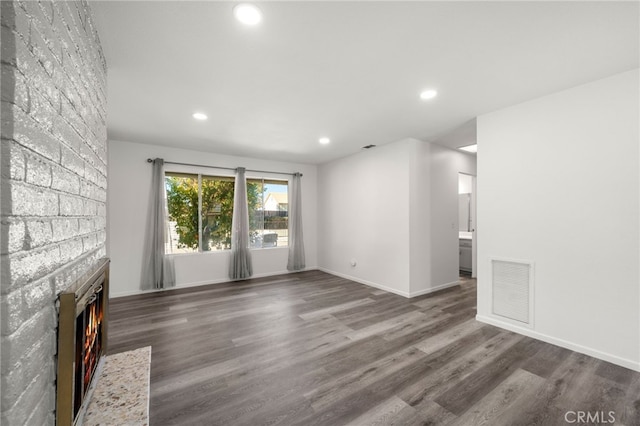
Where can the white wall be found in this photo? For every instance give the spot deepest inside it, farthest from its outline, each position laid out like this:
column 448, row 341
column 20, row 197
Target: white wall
column 394, row 209
column 364, row 215
column 128, row 196
column 420, row 218
column 445, row 166
column 558, row 184
column 465, row 184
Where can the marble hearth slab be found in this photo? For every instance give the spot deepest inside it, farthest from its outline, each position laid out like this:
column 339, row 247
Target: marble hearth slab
column 121, row 395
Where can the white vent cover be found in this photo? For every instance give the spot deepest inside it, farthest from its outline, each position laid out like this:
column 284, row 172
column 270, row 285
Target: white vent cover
column 512, row 290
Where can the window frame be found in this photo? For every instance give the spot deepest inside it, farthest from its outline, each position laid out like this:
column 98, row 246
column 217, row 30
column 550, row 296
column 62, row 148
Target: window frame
column 202, row 176
column 273, row 181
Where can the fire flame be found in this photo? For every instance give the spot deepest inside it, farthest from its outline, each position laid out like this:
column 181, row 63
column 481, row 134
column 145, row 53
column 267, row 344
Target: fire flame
column 91, row 341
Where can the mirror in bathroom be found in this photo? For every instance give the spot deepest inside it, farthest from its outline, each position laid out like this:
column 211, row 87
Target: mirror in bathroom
column 464, row 212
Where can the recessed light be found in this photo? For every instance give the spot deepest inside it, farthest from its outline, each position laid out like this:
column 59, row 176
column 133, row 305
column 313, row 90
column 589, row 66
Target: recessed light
column 470, row 148
column 199, row 116
column 428, row 94
column 324, row 141
column 247, row 13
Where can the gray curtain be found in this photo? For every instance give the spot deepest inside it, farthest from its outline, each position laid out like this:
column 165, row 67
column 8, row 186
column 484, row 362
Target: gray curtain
column 240, row 266
column 296, row 243
column 157, row 269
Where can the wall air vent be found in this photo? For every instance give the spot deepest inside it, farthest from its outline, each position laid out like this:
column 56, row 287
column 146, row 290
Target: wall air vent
column 512, row 290
column 368, row 146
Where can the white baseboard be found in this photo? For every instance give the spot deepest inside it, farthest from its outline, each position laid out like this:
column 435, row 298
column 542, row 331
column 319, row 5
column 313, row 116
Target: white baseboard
column 627, row 363
column 433, row 289
column 408, row 295
column 365, row 282
column 201, row 283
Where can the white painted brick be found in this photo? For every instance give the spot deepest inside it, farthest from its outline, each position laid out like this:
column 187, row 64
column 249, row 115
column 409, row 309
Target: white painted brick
column 43, row 412
column 86, row 190
column 89, row 242
column 101, row 210
column 41, row 50
column 65, row 181
column 42, row 110
column 32, row 201
column 36, row 296
column 67, row 276
column 72, row 161
column 23, row 59
column 20, row 343
column 71, row 249
column 73, row 270
column 96, row 193
column 72, row 116
column 28, row 133
column 20, row 24
column 40, row 84
column 11, row 312
column 100, row 222
column 21, row 411
column 102, row 182
column 38, row 171
column 47, row 10
column 15, row 231
column 34, row 264
column 71, row 205
column 15, row 90
column 23, row 303
column 86, row 226
column 64, row 228
column 90, row 208
column 13, row 166
column 101, row 236
column 58, row 112
column 5, row 277
column 89, row 156
column 39, row 233
column 90, row 173
column 63, row 131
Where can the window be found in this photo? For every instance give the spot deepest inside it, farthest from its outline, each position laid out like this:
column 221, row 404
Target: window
column 268, row 213
column 217, row 212
column 201, row 210
column 182, row 204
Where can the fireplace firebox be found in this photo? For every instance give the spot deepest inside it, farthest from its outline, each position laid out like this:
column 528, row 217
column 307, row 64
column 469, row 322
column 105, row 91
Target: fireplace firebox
column 82, row 341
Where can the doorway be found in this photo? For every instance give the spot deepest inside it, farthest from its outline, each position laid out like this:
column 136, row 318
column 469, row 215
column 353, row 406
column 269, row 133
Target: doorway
column 467, row 224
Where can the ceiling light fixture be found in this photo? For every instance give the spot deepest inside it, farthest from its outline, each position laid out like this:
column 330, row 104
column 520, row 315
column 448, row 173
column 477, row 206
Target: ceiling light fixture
column 247, row 13
column 199, row 116
column 428, row 94
column 324, row 141
column 469, row 148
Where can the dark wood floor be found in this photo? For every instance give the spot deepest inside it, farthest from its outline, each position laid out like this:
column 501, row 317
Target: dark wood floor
column 315, row 349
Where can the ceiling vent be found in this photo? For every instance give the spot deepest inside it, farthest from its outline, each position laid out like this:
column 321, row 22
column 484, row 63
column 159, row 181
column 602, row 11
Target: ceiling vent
column 368, row 146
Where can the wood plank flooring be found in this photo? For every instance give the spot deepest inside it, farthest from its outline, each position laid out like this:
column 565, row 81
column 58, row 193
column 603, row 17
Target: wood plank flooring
column 315, row 349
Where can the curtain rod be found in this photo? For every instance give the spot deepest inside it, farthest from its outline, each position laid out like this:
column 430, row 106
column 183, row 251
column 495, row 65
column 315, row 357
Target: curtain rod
column 150, row 160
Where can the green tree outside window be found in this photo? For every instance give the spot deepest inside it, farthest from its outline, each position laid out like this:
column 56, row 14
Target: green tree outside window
column 216, row 211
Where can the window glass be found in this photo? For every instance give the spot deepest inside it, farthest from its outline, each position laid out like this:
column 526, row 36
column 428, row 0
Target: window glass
column 217, row 212
column 268, row 213
column 255, row 190
column 182, row 205
column 201, row 212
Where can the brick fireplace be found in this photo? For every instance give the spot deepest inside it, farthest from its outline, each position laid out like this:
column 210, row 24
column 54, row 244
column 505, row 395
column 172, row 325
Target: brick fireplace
column 82, row 342
column 53, row 180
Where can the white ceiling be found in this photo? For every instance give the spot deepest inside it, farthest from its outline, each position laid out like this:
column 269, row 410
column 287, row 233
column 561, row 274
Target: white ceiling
column 351, row 71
